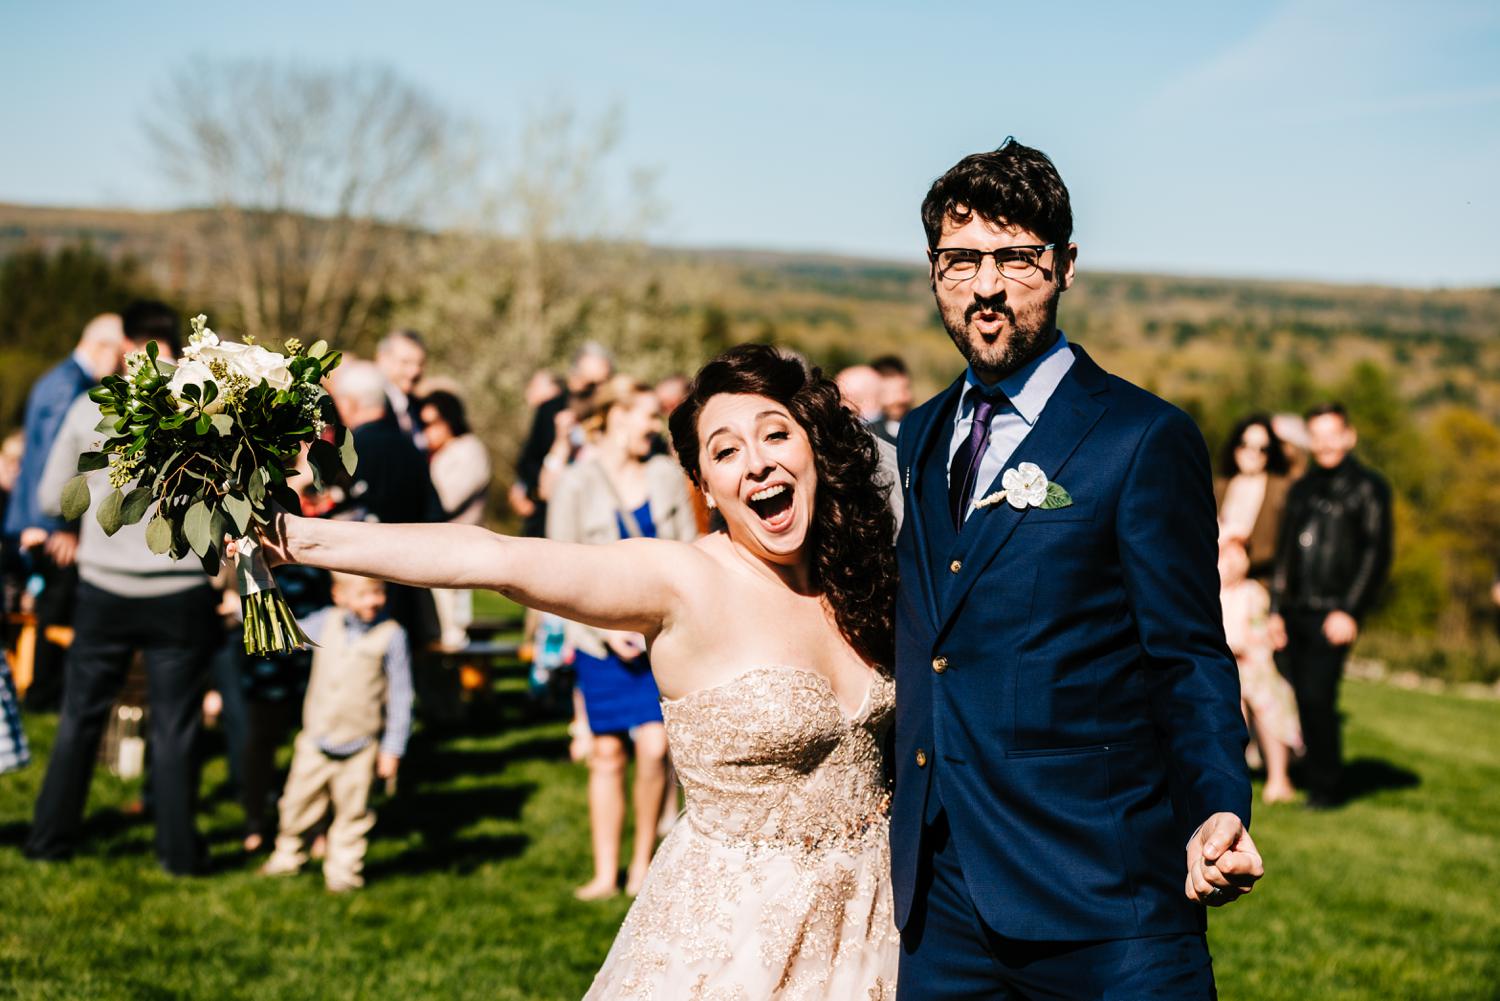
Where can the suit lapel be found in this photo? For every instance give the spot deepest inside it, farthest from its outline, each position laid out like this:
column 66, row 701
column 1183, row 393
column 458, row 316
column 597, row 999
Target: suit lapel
column 1064, row 422
column 927, row 507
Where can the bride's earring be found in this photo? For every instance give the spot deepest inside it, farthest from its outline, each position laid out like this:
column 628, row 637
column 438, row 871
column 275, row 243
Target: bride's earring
column 710, row 502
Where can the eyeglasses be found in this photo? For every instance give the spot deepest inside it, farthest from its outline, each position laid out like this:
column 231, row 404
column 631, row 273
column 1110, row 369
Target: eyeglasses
column 960, row 264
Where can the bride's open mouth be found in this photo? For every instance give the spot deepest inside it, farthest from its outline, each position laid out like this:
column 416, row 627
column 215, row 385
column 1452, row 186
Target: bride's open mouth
column 773, row 505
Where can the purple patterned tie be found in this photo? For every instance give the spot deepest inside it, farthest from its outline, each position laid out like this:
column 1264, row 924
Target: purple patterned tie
column 965, row 468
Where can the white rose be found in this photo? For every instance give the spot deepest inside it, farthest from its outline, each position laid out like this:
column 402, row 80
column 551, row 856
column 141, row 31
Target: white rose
column 1025, row 486
column 256, row 363
column 193, row 372
column 250, row 360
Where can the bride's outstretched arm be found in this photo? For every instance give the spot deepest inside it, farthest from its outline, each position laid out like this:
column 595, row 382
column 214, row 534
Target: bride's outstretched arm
column 632, row 585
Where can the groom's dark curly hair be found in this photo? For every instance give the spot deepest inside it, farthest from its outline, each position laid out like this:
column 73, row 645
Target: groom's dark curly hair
column 851, row 539
column 1014, row 184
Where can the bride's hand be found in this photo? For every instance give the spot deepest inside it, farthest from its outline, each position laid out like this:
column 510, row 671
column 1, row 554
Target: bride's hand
column 272, row 540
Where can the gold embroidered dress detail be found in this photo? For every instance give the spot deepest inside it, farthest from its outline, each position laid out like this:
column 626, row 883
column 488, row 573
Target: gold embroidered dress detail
column 776, row 883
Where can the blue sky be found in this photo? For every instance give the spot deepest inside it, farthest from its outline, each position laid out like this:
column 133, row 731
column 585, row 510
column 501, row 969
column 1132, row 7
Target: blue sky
column 1324, row 139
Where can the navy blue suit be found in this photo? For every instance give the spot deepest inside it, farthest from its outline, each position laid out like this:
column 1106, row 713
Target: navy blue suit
column 1067, row 708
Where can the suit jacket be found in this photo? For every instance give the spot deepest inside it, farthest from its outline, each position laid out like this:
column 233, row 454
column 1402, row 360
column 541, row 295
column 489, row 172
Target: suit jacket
column 533, row 452
column 391, row 481
column 1063, row 685
column 46, row 406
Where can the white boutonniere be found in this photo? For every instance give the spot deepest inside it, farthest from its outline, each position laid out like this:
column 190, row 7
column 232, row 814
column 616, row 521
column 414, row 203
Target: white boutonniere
column 1027, row 486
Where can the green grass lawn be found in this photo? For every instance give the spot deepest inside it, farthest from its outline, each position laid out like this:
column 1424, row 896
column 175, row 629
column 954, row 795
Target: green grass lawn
column 1393, row 897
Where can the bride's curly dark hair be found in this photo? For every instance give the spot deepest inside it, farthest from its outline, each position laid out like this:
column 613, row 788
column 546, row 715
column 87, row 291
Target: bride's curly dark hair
column 850, row 541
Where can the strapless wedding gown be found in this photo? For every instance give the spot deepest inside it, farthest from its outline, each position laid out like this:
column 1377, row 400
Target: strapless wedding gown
column 776, row 881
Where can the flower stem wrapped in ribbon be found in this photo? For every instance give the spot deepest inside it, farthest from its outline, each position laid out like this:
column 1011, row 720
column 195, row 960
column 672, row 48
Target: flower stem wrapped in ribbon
column 211, row 442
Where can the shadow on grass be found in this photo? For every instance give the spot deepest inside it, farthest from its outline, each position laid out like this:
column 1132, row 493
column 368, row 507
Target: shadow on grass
column 436, row 819
column 445, row 763
column 1367, row 776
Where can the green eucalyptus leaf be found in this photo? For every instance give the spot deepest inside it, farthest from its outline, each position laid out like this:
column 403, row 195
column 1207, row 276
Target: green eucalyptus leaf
column 136, row 504
column 324, row 460
column 219, row 526
column 110, row 517
column 159, row 535
column 101, row 395
column 90, row 461
column 75, row 498
column 318, row 349
column 257, row 489
column 196, row 525
column 239, row 509
column 1056, row 497
column 286, row 497
column 165, row 368
column 204, row 423
column 223, row 423
column 346, row 451
column 106, row 424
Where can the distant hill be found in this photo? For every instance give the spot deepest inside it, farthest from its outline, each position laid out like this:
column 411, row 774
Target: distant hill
column 1186, row 338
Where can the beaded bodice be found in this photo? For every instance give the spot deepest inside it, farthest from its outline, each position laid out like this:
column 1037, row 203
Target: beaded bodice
column 769, row 759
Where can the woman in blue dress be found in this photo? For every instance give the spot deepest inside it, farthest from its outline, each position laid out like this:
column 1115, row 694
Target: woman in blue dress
column 621, row 488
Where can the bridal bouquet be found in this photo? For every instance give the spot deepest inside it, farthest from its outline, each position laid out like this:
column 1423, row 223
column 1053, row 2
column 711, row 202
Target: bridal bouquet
column 211, row 442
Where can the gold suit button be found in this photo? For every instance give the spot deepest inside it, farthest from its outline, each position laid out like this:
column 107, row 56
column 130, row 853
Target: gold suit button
column 940, row 664
column 921, row 758
column 956, row 565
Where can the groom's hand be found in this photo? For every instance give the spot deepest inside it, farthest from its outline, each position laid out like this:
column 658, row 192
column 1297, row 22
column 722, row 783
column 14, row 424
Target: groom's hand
column 1222, row 861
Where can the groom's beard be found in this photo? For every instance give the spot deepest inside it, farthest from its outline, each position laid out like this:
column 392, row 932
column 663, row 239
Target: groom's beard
column 1026, row 334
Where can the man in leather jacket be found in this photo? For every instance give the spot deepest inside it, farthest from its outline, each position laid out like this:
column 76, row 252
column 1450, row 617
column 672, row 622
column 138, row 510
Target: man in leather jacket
column 1332, row 559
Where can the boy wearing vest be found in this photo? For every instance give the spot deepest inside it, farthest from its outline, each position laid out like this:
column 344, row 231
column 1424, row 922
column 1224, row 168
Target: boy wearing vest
column 355, row 722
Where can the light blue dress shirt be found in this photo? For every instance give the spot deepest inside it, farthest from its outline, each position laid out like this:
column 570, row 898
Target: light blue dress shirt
column 1028, row 390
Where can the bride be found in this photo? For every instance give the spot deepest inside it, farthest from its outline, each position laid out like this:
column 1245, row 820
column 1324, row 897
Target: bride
column 768, row 643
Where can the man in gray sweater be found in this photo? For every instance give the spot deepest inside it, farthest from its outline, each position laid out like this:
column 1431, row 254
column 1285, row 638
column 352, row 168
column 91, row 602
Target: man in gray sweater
column 129, row 600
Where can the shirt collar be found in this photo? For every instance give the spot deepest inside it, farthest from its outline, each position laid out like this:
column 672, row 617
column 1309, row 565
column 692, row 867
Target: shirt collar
column 357, row 625
column 82, row 361
column 1030, row 387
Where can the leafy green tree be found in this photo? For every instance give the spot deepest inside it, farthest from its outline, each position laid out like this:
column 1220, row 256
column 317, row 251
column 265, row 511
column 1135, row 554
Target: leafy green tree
column 45, row 301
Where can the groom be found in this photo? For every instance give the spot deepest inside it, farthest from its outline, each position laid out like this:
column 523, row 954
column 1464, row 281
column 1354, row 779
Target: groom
column 1070, row 777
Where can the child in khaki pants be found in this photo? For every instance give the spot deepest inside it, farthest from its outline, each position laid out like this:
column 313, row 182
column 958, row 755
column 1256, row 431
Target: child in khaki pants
column 355, row 722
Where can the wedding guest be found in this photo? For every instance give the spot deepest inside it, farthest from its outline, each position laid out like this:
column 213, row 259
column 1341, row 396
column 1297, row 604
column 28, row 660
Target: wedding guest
column 895, row 396
column 460, row 467
column 861, row 386
column 355, row 724
column 1251, row 490
column 670, row 392
column 14, row 752
column 13, row 569
column 401, row 357
column 541, row 387
column 1292, row 430
column 1332, row 559
column 130, row 601
column 620, row 490
column 45, row 542
column 273, row 688
column 592, row 365
column 1265, row 696
column 391, row 482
